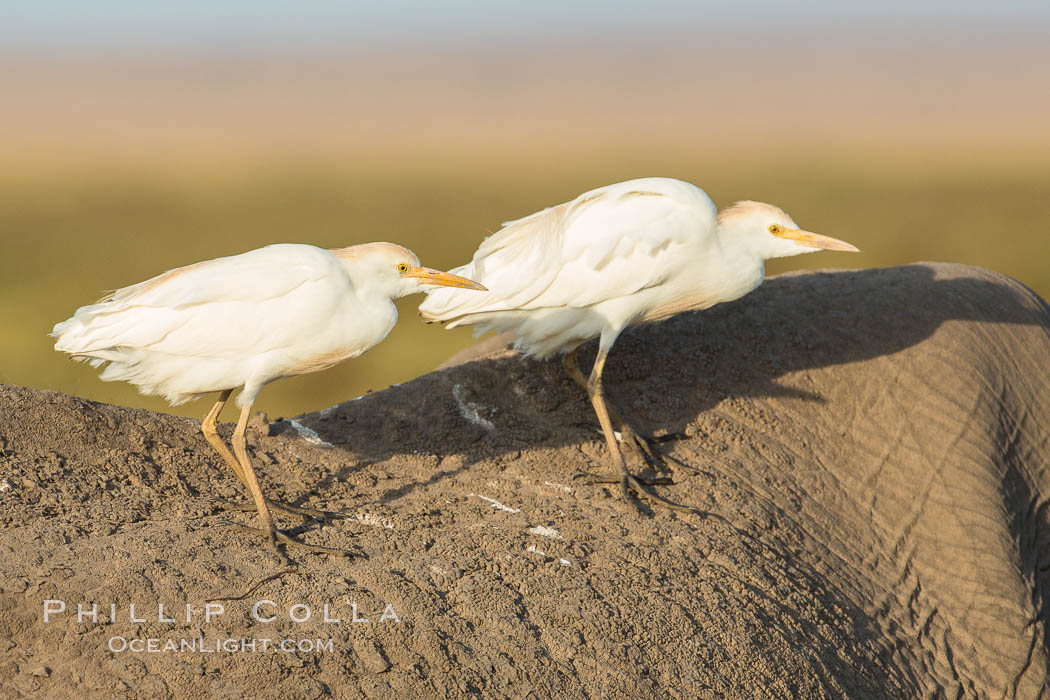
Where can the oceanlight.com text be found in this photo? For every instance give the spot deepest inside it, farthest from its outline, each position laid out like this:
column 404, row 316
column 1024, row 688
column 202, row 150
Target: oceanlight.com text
column 200, row 645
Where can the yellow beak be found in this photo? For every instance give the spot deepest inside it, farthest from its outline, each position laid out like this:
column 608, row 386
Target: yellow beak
column 815, row 240
column 442, row 279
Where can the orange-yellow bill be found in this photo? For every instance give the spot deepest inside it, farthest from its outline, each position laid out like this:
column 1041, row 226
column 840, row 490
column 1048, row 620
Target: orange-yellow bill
column 815, row 240
column 443, row 279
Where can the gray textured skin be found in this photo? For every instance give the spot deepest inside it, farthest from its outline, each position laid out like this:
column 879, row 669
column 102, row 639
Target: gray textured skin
column 872, row 451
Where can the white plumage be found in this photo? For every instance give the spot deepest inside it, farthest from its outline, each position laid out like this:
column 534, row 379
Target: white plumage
column 633, row 252
column 233, row 322
column 557, row 277
column 246, row 320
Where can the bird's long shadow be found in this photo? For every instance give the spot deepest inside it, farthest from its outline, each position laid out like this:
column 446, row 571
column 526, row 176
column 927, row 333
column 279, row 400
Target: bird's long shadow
column 670, row 373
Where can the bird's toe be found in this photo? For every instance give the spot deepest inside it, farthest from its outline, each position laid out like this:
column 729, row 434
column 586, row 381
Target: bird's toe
column 280, row 540
column 286, row 508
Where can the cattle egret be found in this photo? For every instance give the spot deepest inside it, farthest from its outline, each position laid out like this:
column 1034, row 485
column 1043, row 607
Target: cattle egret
column 634, row 252
column 243, row 321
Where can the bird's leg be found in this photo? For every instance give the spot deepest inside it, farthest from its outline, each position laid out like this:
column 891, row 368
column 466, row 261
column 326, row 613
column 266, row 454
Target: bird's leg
column 247, row 475
column 572, row 367
column 640, row 443
column 626, row 479
column 274, row 535
column 570, row 362
column 211, row 434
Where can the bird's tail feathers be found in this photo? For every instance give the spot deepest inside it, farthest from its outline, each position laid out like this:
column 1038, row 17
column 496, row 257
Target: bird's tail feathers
column 447, row 303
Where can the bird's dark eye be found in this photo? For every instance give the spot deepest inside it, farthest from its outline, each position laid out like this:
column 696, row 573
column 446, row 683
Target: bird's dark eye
column 774, row 228
column 402, row 267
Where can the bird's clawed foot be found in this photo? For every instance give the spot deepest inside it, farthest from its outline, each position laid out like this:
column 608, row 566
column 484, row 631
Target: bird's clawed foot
column 592, row 478
column 640, row 485
column 285, row 508
column 646, row 447
column 280, row 540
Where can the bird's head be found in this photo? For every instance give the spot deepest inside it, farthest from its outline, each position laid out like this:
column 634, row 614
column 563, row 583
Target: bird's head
column 394, row 270
column 770, row 233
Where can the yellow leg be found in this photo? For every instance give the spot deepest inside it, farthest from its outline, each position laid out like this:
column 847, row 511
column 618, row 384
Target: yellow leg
column 643, row 445
column 572, row 368
column 594, row 390
column 262, row 506
column 211, row 434
column 247, row 473
column 625, row 479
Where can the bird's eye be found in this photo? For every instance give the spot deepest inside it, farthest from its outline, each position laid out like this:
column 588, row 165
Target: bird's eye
column 774, row 228
column 402, row 267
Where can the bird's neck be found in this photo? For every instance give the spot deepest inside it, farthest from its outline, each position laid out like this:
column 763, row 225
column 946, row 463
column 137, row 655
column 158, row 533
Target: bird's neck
column 375, row 297
column 741, row 267
column 725, row 277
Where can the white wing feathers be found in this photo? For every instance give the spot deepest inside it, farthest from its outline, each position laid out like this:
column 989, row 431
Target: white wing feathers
column 605, row 244
column 163, row 314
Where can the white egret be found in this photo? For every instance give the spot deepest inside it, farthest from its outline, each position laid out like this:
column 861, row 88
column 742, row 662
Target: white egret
column 634, row 252
column 243, row 321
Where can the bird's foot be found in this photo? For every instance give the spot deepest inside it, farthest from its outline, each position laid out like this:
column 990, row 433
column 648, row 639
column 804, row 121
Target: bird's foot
column 647, row 447
column 640, row 485
column 591, row 478
column 286, row 508
column 280, row 540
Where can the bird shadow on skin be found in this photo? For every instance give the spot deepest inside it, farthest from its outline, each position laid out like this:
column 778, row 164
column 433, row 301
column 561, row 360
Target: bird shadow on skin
column 667, row 375
column 389, row 496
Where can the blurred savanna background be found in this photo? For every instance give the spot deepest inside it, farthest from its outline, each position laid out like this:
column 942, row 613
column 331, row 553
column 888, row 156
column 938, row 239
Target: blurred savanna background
column 138, row 137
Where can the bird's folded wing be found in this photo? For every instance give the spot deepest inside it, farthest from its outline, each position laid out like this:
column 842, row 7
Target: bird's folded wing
column 253, row 276
column 600, row 246
column 210, row 307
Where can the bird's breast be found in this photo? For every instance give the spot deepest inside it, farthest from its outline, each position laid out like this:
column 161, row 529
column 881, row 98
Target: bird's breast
column 349, row 331
column 701, row 291
column 668, row 307
column 321, row 361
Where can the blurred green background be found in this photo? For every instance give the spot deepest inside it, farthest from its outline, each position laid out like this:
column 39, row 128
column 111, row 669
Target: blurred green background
column 124, row 164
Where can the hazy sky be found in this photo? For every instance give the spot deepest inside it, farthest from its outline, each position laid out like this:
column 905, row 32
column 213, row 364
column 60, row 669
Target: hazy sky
column 135, row 24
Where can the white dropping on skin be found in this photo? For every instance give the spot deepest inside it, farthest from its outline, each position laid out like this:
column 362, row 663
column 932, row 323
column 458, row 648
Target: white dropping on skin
column 560, row 487
column 544, row 531
column 496, row 504
column 469, row 409
column 308, row 434
column 326, row 412
column 374, row 520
